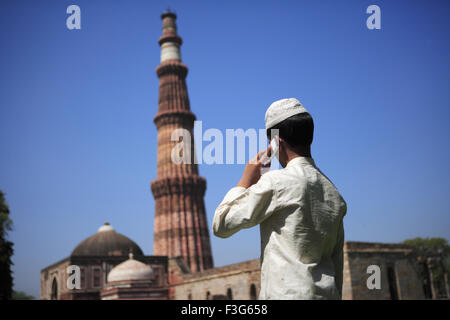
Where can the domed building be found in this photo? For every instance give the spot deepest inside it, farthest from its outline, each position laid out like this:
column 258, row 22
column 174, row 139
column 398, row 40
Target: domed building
column 106, row 242
column 133, row 280
column 104, row 262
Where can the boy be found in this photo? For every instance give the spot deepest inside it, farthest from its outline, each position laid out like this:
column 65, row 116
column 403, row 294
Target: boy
column 299, row 210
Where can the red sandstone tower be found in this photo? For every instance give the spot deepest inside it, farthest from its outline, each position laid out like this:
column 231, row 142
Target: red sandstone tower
column 180, row 226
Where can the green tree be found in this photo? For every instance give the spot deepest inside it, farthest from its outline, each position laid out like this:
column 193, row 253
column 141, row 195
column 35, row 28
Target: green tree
column 6, row 251
column 433, row 248
column 20, row 295
column 428, row 247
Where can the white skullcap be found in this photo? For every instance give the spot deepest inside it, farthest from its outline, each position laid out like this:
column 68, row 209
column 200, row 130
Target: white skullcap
column 282, row 109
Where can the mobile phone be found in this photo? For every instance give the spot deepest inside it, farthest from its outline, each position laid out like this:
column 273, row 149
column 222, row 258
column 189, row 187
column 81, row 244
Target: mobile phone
column 274, row 148
column 275, row 145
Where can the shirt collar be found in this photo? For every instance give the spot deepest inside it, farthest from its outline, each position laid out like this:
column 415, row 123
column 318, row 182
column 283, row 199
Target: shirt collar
column 301, row 161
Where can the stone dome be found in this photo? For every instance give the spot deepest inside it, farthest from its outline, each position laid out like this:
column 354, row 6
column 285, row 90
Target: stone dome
column 130, row 270
column 106, row 242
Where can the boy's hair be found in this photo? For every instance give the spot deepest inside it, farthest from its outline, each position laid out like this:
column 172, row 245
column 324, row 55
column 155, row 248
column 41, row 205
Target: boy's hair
column 297, row 130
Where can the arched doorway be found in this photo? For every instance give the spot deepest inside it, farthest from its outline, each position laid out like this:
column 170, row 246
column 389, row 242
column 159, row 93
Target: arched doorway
column 229, row 294
column 54, row 294
column 252, row 292
column 392, row 280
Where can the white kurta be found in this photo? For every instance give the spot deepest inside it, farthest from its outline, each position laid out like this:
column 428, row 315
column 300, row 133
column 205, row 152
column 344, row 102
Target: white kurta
column 300, row 213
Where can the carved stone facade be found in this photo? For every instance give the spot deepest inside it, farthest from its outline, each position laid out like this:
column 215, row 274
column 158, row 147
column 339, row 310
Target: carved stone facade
column 53, row 281
column 95, row 257
column 94, row 271
column 180, row 225
column 399, row 277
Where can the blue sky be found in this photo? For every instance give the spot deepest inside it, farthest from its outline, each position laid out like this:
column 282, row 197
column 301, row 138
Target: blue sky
column 78, row 143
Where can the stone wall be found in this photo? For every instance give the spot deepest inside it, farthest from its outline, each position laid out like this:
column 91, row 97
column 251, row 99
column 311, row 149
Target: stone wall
column 57, row 273
column 398, row 270
column 236, row 279
column 398, row 274
column 88, row 265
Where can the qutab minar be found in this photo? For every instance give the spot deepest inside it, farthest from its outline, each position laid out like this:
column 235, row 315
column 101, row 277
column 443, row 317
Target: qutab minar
column 180, row 224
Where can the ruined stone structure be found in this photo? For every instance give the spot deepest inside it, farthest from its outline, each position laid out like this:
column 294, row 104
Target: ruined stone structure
column 182, row 267
column 180, row 225
column 399, row 276
column 97, row 256
column 240, row 281
column 109, row 273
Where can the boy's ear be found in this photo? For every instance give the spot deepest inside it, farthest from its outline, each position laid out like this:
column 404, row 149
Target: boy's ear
column 283, row 144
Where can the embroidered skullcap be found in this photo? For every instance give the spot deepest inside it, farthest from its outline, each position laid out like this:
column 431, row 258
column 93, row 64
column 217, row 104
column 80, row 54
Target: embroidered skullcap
column 282, row 109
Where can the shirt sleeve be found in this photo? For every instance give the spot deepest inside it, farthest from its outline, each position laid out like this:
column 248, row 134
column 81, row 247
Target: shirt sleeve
column 244, row 208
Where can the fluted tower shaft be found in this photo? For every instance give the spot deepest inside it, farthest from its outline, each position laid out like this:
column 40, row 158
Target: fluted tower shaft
column 180, row 224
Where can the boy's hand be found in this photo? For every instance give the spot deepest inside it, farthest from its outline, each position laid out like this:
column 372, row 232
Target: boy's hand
column 252, row 171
